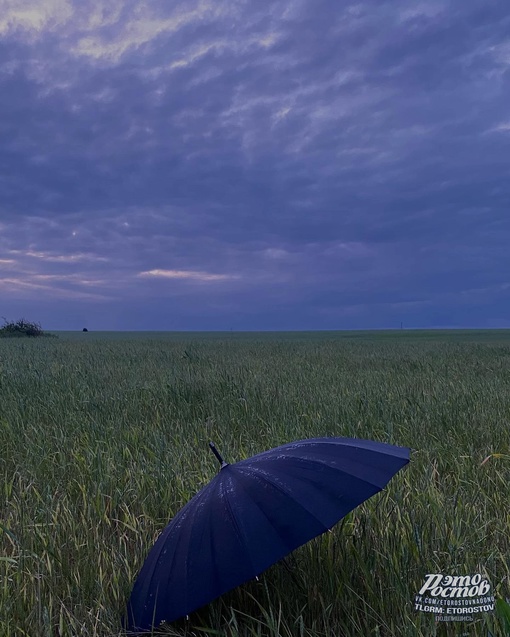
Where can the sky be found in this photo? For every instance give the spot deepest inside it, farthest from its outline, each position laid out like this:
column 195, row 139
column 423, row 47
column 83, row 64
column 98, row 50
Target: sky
column 283, row 165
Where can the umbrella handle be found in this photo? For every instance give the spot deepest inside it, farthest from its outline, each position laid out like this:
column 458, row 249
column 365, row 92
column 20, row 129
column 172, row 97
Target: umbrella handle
column 217, row 454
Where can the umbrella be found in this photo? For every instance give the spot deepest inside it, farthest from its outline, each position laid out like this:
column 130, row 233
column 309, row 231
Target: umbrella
column 252, row 514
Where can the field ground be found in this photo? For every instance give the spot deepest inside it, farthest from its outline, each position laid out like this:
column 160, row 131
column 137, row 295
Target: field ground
column 103, row 437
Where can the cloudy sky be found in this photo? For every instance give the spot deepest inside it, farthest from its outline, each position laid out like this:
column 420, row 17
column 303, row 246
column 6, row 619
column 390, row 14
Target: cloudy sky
column 292, row 164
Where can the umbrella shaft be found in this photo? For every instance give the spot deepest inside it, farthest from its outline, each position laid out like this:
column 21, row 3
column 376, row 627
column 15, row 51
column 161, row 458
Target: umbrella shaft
column 217, row 454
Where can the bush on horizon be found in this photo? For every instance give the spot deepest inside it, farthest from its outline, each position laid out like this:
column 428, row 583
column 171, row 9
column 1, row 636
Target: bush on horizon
column 21, row 328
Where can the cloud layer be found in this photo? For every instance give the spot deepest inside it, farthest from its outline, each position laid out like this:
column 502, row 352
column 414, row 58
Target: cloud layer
column 273, row 165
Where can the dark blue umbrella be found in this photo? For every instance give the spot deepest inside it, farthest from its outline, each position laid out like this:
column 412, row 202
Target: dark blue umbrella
column 251, row 515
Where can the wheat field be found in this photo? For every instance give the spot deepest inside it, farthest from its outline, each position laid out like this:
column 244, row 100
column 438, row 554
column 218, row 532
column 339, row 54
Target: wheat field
column 104, row 437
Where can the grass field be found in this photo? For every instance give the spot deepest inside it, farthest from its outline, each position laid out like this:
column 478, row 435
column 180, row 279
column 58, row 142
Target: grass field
column 103, row 437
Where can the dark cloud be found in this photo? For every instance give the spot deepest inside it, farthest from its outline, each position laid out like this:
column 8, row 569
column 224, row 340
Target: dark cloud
column 279, row 165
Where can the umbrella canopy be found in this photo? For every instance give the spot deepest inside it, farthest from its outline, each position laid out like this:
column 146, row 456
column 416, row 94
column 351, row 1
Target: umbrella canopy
column 252, row 514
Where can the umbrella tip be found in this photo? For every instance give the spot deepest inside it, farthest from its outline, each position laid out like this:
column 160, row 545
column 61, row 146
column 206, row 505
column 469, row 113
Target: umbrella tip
column 212, row 446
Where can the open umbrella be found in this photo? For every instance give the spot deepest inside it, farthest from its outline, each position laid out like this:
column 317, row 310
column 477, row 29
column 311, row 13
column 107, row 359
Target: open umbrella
column 252, row 514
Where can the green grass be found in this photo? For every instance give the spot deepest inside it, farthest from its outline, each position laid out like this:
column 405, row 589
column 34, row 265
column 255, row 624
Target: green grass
column 103, row 438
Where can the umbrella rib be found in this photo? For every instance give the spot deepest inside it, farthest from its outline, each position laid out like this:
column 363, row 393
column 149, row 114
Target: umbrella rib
column 285, row 492
column 190, row 538
column 239, row 531
column 164, row 545
column 282, row 490
column 328, row 466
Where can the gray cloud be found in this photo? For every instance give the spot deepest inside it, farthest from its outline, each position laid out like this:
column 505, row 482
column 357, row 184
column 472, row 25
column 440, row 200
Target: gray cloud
column 317, row 159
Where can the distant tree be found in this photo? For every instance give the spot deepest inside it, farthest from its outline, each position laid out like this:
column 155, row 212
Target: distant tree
column 20, row 328
column 85, row 329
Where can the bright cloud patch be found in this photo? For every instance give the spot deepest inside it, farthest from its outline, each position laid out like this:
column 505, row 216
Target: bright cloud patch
column 187, row 274
column 34, row 16
column 58, row 258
